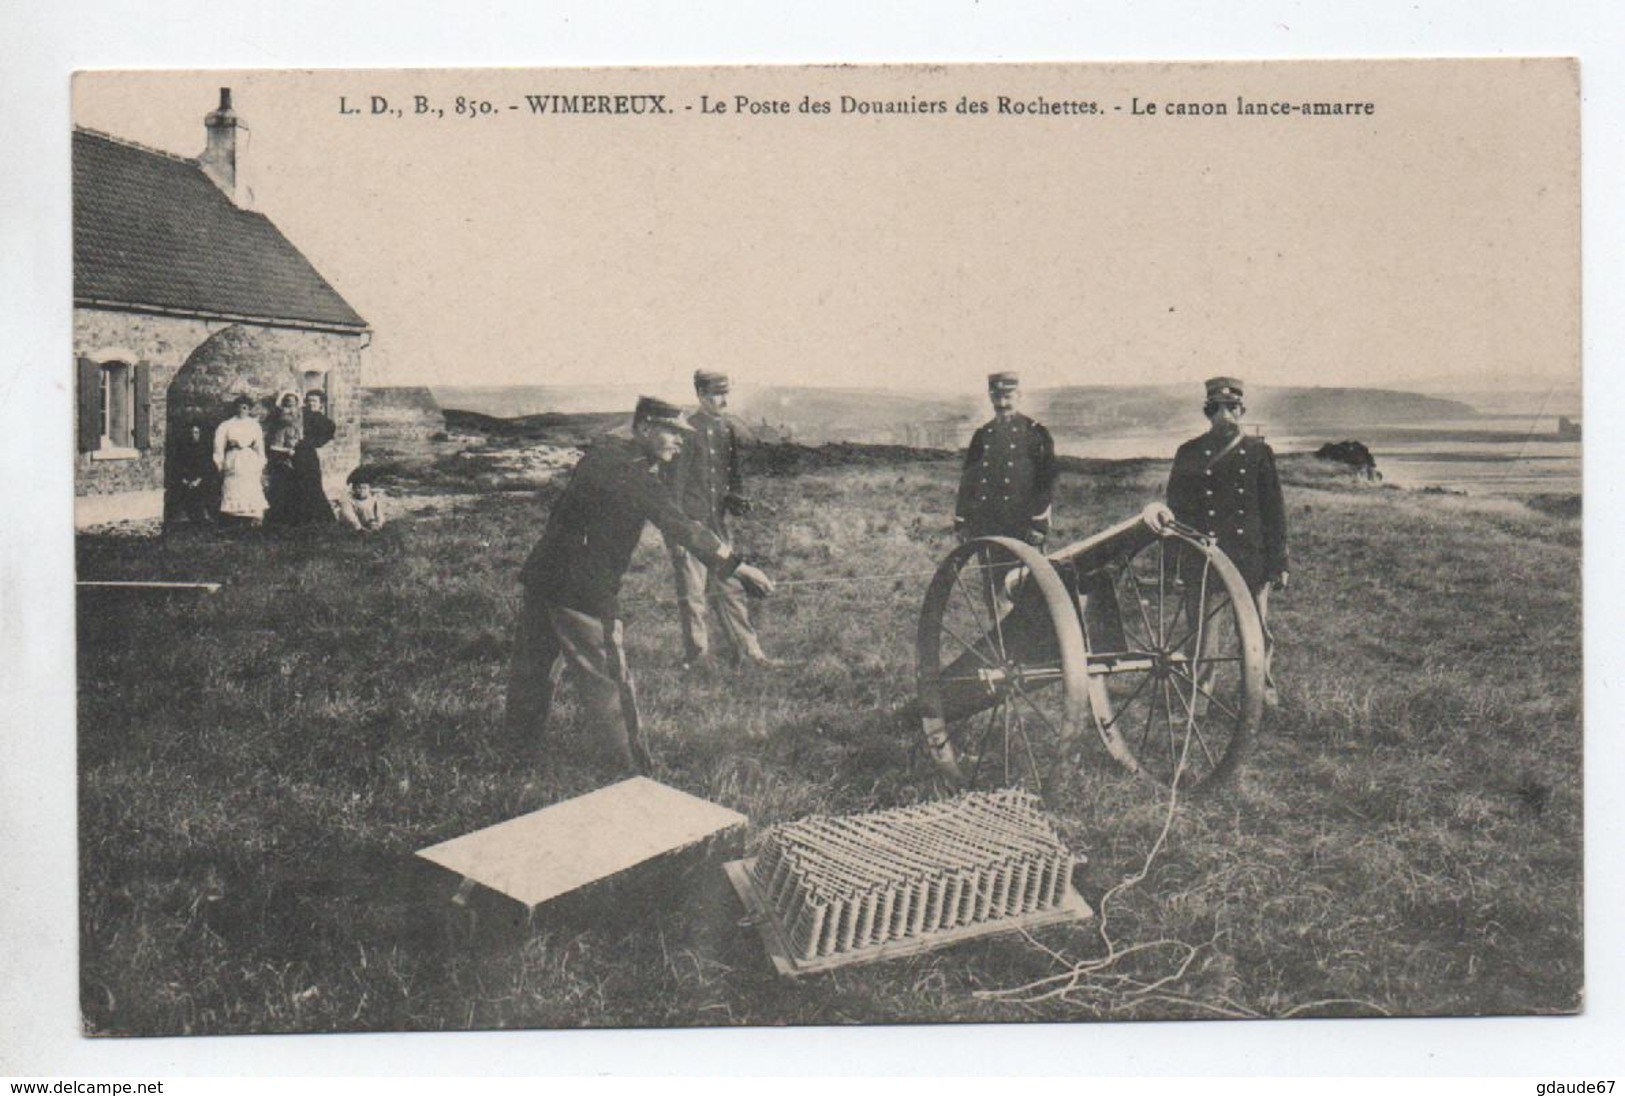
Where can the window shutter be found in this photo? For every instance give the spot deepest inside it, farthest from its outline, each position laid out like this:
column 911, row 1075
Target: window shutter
column 90, row 405
column 143, row 405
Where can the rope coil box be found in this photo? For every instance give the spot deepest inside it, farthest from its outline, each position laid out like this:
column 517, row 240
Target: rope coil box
column 830, row 891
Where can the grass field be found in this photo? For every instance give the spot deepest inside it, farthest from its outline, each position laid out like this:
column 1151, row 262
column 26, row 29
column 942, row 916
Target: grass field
column 257, row 768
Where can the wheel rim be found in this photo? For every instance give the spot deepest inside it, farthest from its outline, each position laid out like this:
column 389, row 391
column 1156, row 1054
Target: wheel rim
column 1176, row 662
column 1001, row 672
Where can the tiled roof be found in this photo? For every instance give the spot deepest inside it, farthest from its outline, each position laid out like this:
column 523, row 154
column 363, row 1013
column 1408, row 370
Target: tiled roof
column 151, row 229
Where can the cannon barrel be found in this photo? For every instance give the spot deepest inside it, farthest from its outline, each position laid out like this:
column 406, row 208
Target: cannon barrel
column 1117, row 542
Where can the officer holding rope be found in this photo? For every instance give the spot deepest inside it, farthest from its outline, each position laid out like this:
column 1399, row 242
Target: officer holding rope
column 1224, row 485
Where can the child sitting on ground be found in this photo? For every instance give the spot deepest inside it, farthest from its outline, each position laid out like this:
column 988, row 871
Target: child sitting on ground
column 362, row 509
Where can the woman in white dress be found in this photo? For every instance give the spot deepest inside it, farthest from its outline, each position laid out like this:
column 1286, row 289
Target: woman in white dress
column 239, row 453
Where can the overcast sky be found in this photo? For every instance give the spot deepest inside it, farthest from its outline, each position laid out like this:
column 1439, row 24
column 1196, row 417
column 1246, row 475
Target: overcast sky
column 1436, row 238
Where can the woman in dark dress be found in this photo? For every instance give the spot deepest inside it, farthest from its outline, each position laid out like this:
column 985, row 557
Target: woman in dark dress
column 282, row 435
column 195, row 487
column 308, row 503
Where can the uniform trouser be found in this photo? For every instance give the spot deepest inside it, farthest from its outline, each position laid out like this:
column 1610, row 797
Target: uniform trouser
column 733, row 608
column 553, row 640
column 1210, row 638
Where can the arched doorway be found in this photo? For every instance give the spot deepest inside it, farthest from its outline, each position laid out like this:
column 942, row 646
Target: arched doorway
column 234, row 361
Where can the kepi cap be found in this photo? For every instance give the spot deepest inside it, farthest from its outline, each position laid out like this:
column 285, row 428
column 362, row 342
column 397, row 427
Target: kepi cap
column 660, row 413
column 1003, row 382
column 1224, row 390
column 710, row 383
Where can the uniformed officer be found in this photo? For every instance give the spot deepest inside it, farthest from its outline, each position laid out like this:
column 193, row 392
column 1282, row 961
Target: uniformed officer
column 572, row 581
column 709, row 484
column 1008, row 482
column 1224, row 485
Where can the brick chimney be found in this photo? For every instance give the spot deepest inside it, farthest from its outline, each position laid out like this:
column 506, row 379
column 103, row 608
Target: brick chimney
column 219, row 159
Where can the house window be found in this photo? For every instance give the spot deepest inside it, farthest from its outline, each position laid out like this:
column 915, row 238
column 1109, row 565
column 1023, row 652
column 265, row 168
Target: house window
column 315, row 380
column 118, row 407
column 115, row 408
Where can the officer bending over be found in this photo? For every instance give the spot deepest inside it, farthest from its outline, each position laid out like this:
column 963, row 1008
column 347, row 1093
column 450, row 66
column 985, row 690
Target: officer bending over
column 572, row 581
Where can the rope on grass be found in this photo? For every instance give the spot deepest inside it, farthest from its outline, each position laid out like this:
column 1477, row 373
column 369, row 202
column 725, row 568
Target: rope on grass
column 853, row 579
column 793, row 584
column 1073, row 980
column 1119, row 992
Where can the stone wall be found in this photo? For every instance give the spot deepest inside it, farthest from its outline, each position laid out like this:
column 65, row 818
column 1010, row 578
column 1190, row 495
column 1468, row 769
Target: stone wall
column 226, row 358
column 399, row 416
column 164, row 343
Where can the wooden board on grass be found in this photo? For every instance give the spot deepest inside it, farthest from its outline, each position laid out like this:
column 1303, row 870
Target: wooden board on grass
column 558, row 849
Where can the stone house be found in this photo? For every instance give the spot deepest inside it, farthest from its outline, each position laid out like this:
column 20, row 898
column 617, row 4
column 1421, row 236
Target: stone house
column 185, row 297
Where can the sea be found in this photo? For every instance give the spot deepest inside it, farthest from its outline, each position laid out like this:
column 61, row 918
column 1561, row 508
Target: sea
column 1484, row 455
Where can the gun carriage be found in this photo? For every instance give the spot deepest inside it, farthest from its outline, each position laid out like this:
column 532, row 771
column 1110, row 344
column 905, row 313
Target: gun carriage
column 1146, row 631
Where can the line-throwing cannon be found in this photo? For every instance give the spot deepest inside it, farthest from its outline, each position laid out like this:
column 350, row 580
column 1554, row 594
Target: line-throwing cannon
column 1145, row 629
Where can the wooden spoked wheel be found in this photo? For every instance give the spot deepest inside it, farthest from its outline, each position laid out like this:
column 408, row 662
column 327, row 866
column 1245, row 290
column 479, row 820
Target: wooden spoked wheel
column 1001, row 666
column 1175, row 662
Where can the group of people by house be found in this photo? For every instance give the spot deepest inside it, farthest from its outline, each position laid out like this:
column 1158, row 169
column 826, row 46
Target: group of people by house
column 682, row 473
column 252, row 472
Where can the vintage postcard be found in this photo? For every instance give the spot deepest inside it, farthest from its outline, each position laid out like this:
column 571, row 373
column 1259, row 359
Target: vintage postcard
column 670, row 547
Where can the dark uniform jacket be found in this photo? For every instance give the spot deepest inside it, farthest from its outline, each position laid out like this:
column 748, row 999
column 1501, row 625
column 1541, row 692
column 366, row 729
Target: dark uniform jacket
column 1009, row 480
column 595, row 527
column 1234, row 497
column 706, row 477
